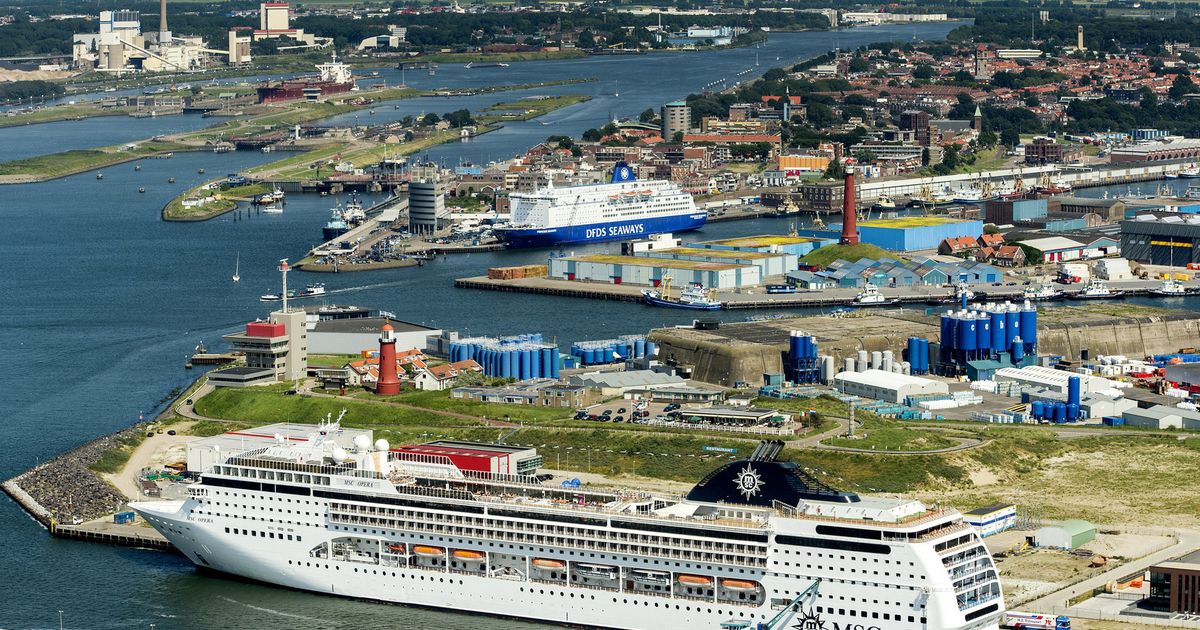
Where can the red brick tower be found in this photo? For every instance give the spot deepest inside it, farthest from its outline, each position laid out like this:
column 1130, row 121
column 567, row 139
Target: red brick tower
column 849, row 212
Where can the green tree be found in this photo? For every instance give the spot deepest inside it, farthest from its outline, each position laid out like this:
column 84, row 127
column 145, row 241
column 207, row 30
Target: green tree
column 677, row 136
column 775, row 75
column 648, row 116
column 431, row 119
column 591, row 135
column 1182, row 85
column 923, row 72
column 925, row 158
column 988, row 138
column 990, row 228
column 586, row 40
column 858, row 64
column 1010, row 137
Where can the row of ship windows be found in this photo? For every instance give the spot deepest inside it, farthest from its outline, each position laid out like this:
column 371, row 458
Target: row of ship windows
column 821, row 567
column 648, row 549
column 533, row 549
column 541, row 591
column 862, row 613
column 492, row 524
column 255, row 533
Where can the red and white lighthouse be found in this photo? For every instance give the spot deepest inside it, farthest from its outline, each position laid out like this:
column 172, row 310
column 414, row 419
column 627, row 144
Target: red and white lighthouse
column 389, row 383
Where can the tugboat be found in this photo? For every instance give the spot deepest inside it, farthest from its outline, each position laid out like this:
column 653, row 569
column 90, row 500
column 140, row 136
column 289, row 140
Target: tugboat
column 870, row 296
column 312, row 290
column 354, row 214
column 1043, row 293
column 1170, row 288
column 956, row 296
column 1097, row 290
column 335, row 227
column 694, row 297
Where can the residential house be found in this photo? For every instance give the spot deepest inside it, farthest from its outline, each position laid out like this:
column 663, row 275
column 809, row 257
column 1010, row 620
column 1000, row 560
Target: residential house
column 439, row 377
column 961, row 246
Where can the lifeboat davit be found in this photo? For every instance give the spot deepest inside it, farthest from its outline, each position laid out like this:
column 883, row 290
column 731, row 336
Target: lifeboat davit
column 695, row 580
column 425, row 550
column 739, row 585
column 549, row 563
column 467, row 554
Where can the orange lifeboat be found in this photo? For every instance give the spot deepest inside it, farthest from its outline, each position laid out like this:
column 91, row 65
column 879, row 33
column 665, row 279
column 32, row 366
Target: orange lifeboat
column 396, row 548
column 425, row 550
column 739, row 585
column 467, row 554
column 549, row 563
column 695, row 580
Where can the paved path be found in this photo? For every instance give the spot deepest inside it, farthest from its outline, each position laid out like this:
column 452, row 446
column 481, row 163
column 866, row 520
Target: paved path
column 1186, row 542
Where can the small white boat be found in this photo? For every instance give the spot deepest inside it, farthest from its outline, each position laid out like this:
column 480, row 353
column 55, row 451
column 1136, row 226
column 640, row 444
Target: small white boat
column 870, row 296
column 237, row 266
column 1097, row 290
column 1170, row 288
column 1043, row 293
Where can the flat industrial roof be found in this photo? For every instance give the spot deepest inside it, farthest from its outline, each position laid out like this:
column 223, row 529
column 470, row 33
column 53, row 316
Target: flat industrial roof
column 911, row 222
column 367, row 325
column 990, row 509
column 720, row 253
column 879, row 378
column 763, row 240
column 666, row 263
column 243, row 371
column 478, row 446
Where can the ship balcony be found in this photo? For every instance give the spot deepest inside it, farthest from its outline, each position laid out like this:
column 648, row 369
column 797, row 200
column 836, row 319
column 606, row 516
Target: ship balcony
column 970, row 568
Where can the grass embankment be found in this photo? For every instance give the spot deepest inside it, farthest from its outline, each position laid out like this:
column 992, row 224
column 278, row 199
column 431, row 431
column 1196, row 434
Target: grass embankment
column 501, row 57
column 61, row 112
column 441, row 401
column 824, row 255
column 56, row 165
column 530, row 108
column 222, row 201
column 300, row 167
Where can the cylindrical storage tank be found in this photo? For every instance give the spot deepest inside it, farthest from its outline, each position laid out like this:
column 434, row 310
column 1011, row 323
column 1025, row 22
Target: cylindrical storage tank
column 548, row 356
column 983, row 332
column 886, row 364
column 905, row 367
column 535, row 363
column 848, row 365
column 1072, row 412
column 1074, row 390
column 968, row 340
column 589, row 356
column 923, row 355
column 889, row 356
column 860, row 362
column 947, row 340
column 1028, row 330
column 999, row 326
column 793, row 346
column 812, row 347
column 1060, row 412
column 913, row 347
column 935, row 351
column 876, row 359
column 506, row 358
column 1035, row 409
column 651, row 349
column 1018, row 349
column 555, row 363
column 827, row 369
column 639, row 347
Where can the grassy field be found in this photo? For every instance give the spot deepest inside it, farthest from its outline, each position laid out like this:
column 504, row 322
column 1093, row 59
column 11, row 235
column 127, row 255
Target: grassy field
column 530, row 108
column 441, row 401
column 224, row 202
column 62, row 112
column 331, row 360
column 81, row 160
column 892, row 438
column 824, row 255
column 265, row 406
column 114, row 460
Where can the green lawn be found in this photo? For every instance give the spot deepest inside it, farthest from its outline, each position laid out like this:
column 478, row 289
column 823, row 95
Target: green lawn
column 265, row 406
column 442, row 401
column 62, row 112
column 885, row 438
column 82, row 160
column 824, row 255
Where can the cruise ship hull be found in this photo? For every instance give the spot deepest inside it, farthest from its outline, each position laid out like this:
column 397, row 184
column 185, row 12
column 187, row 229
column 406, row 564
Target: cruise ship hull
column 600, row 232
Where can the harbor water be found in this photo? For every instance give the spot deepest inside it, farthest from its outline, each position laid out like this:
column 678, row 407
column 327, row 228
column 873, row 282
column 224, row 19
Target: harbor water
column 103, row 301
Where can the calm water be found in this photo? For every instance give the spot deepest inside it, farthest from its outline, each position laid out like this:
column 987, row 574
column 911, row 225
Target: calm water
column 102, row 301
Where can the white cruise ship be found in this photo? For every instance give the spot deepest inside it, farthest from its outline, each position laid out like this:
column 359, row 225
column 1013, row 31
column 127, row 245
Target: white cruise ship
column 758, row 541
column 624, row 208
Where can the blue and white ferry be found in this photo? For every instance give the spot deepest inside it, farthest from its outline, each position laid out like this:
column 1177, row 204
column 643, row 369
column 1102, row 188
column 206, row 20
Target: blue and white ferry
column 624, row 208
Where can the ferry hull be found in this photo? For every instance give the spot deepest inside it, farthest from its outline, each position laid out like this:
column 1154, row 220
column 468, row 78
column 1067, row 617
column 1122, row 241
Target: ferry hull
column 600, row 232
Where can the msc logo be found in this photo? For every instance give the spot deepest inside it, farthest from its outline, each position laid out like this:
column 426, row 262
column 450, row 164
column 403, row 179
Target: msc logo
column 810, row 620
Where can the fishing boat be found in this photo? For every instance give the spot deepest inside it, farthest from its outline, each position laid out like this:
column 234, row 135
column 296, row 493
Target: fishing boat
column 277, row 194
column 1042, row 293
column 312, row 290
column 237, row 268
column 972, row 194
column 336, row 226
column 870, row 296
column 1097, row 290
column 272, row 208
column 1052, row 185
column 694, row 297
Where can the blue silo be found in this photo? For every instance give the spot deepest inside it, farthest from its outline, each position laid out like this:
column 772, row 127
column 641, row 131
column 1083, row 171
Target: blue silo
column 1060, row 412
column 999, row 327
column 639, row 347
column 651, row 349
column 526, row 370
column 983, row 330
column 506, row 361
column 1038, row 409
column 1074, row 390
column 1029, row 328
column 923, row 355
column 968, row 340
column 535, row 363
column 555, row 363
column 1018, row 350
column 911, row 353
column 1072, row 412
column 948, row 337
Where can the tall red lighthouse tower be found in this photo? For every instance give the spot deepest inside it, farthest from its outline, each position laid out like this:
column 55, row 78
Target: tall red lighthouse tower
column 389, row 383
column 849, row 211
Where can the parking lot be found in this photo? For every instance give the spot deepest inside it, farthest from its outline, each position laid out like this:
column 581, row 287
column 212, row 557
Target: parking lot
column 623, row 409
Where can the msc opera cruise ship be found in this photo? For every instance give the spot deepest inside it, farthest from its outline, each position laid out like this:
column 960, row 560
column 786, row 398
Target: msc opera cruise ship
column 757, row 544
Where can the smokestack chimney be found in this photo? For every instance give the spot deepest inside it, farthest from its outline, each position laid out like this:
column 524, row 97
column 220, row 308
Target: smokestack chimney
column 849, row 211
column 162, row 20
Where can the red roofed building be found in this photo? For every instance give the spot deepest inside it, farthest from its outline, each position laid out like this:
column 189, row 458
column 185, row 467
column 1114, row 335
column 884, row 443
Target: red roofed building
column 439, row 377
column 473, row 457
column 959, row 246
